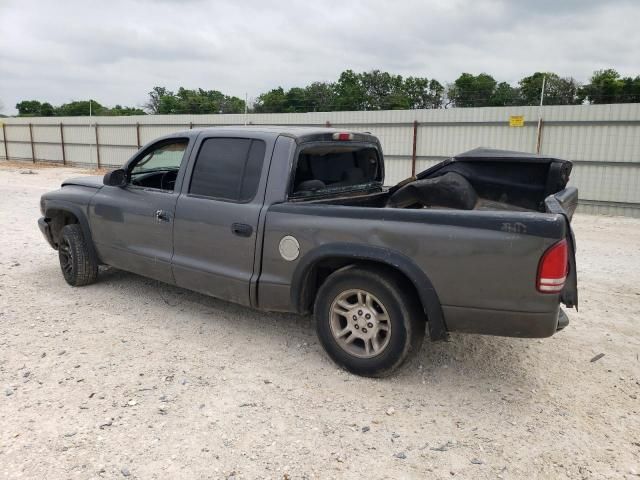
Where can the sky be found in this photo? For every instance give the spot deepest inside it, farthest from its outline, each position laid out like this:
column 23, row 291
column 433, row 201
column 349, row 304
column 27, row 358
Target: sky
column 115, row 51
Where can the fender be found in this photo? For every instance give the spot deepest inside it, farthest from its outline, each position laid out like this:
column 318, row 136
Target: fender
column 426, row 291
column 78, row 213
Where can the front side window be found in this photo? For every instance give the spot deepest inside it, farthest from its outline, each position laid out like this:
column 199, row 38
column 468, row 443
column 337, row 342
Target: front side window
column 228, row 169
column 159, row 167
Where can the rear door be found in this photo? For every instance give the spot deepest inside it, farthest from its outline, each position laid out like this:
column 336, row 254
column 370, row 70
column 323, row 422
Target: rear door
column 217, row 213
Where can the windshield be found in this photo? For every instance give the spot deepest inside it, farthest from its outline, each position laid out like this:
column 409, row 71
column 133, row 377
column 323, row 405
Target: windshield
column 336, row 167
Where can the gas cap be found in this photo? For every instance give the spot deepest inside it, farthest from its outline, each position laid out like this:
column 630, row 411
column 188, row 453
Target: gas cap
column 289, row 248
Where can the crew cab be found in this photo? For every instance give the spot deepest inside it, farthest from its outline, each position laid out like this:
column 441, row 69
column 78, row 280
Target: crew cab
column 297, row 219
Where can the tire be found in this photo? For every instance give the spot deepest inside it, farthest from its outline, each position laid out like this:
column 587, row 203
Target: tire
column 77, row 261
column 384, row 324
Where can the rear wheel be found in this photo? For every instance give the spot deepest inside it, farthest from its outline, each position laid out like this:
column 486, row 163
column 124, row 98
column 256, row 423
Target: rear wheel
column 366, row 321
column 77, row 261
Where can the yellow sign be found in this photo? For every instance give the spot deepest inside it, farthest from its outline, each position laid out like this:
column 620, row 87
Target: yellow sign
column 516, row 121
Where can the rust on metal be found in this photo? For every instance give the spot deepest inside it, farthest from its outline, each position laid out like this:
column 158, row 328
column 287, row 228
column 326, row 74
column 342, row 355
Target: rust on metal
column 138, row 134
column 539, row 136
column 414, row 150
column 64, row 155
column 97, row 146
column 33, row 151
column 4, row 138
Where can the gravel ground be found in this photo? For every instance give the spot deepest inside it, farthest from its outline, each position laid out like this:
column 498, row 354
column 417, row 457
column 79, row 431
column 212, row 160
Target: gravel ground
column 132, row 378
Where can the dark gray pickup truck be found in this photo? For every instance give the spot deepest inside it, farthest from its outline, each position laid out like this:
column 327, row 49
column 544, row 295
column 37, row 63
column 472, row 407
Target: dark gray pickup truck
column 297, row 220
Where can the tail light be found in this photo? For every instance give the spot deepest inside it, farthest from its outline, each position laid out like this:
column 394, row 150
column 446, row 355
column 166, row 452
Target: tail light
column 553, row 268
column 343, row 136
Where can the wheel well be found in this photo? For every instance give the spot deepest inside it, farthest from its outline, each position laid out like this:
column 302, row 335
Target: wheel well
column 58, row 219
column 321, row 270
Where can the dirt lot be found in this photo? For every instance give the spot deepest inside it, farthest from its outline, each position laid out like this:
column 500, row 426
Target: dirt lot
column 129, row 377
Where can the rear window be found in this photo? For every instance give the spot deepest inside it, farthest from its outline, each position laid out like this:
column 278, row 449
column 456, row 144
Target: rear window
column 326, row 168
column 228, row 169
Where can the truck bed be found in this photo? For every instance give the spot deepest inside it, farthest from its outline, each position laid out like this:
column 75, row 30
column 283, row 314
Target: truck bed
column 476, row 225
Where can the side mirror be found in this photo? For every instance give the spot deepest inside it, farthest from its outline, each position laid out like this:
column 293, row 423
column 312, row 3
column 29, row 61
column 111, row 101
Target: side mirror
column 115, row 178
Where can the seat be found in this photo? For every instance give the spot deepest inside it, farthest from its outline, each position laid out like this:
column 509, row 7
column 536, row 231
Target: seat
column 310, row 185
column 450, row 190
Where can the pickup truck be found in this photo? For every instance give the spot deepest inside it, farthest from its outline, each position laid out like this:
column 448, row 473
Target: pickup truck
column 297, row 219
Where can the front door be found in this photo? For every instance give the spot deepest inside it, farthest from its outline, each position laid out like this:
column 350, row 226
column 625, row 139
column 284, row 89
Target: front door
column 132, row 226
column 217, row 216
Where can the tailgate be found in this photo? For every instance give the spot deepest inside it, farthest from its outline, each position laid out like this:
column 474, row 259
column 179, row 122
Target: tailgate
column 564, row 203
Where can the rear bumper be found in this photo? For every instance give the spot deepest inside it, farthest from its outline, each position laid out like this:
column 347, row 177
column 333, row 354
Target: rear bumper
column 504, row 323
column 45, row 228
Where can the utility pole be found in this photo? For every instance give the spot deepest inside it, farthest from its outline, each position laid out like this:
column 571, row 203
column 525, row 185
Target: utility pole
column 539, row 131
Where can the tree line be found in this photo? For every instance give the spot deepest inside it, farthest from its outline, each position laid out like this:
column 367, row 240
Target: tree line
column 35, row 108
column 373, row 90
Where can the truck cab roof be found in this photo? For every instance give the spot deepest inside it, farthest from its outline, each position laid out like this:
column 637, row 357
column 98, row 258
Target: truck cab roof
column 299, row 133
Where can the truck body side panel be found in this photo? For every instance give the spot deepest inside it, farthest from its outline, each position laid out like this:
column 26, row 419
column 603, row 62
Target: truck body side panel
column 475, row 260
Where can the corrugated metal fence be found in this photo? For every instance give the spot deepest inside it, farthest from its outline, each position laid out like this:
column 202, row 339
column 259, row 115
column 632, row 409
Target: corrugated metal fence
column 603, row 141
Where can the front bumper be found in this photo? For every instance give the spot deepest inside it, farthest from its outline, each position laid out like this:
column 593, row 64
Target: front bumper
column 45, row 228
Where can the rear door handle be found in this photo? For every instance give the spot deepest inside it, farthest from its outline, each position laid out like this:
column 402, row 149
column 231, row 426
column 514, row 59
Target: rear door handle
column 242, row 229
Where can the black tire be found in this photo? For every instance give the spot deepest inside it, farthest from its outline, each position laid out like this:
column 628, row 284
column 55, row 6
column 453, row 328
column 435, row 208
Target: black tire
column 406, row 320
column 77, row 261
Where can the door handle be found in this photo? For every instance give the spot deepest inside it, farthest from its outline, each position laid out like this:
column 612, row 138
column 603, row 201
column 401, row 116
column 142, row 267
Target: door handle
column 241, row 229
column 162, row 216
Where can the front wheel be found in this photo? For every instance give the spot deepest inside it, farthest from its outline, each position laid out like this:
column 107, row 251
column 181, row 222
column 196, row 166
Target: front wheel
column 366, row 321
column 77, row 261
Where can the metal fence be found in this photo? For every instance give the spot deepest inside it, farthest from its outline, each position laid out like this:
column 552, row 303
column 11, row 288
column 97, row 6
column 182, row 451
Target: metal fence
column 603, row 141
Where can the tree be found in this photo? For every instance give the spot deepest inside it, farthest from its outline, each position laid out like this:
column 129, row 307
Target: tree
column 350, row 93
column 630, row 90
column 28, row 108
column 153, row 104
column 423, row 93
column 295, row 100
column 34, row 108
column 81, row 108
column 167, row 104
column 274, row 101
column 504, row 95
column 557, row 90
column 374, row 90
column 192, row 101
column 47, row 110
column 232, row 104
column 383, row 91
column 470, row 90
column 119, row 110
column 320, row 97
column 606, row 86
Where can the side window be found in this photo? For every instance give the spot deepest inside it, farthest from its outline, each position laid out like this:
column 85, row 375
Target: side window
column 159, row 167
column 321, row 168
column 228, row 169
